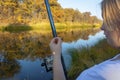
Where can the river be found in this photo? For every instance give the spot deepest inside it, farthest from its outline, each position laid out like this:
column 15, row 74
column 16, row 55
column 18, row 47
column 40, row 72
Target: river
column 25, row 66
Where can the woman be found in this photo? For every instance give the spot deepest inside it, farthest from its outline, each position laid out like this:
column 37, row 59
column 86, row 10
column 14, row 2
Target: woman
column 109, row 69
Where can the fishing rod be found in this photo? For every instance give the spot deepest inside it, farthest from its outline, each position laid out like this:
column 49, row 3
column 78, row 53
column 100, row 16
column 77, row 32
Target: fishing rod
column 54, row 32
column 50, row 18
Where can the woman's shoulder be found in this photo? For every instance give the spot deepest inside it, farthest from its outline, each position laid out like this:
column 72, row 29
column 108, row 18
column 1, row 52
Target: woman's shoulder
column 102, row 71
column 91, row 74
column 111, row 70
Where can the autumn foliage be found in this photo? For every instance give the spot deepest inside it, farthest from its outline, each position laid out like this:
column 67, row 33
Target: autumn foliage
column 34, row 11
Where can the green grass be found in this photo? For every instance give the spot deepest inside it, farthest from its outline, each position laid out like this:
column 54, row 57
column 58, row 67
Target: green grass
column 87, row 57
column 17, row 28
column 45, row 27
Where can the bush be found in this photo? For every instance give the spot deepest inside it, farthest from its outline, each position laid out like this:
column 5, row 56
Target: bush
column 87, row 57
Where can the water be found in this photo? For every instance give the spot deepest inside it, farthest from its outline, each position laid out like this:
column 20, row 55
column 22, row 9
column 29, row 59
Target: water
column 91, row 41
column 27, row 66
column 30, row 70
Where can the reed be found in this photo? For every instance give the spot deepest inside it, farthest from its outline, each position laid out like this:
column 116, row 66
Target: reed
column 86, row 57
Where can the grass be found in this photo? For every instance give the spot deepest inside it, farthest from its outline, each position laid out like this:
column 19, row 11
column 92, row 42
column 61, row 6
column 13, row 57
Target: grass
column 45, row 27
column 87, row 57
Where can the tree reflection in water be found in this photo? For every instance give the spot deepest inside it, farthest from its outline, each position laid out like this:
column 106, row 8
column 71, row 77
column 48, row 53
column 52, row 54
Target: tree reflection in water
column 29, row 45
column 8, row 67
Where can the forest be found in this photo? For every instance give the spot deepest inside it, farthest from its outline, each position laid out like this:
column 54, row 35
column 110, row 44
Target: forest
column 34, row 11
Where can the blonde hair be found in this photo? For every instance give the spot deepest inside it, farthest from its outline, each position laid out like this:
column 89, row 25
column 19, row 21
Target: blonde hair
column 111, row 14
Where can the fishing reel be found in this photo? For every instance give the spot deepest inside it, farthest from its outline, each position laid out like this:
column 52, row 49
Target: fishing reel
column 47, row 63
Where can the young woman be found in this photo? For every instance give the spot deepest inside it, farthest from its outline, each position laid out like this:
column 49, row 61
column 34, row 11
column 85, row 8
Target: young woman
column 107, row 70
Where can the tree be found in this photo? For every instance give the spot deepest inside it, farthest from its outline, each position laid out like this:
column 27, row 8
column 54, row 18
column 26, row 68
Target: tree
column 77, row 16
column 68, row 14
column 86, row 16
column 25, row 11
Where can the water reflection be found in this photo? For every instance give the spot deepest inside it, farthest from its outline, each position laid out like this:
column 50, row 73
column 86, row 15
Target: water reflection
column 32, row 70
column 8, row 66
column 92, row 40
column 29, row 70
column 21, row 54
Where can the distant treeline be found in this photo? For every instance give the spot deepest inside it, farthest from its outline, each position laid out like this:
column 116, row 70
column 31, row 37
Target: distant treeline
column 34, row 11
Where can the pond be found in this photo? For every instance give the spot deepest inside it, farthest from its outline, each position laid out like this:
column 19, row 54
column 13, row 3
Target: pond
column 22, row 54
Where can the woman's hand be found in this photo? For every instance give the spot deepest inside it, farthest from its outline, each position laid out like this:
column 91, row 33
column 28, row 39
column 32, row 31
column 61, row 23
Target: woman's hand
column 55, row 46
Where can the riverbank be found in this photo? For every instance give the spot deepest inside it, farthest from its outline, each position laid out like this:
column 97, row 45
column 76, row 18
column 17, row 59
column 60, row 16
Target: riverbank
column 45, row 27
column 87, row 57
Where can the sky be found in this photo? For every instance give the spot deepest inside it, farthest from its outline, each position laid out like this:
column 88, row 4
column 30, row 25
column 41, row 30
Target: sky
column 92, row 6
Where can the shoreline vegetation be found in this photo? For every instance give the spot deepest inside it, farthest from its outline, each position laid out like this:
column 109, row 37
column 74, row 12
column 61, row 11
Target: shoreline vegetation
column 21, row 21
column 87, row 57
column 27, row 35
column 45, row 27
